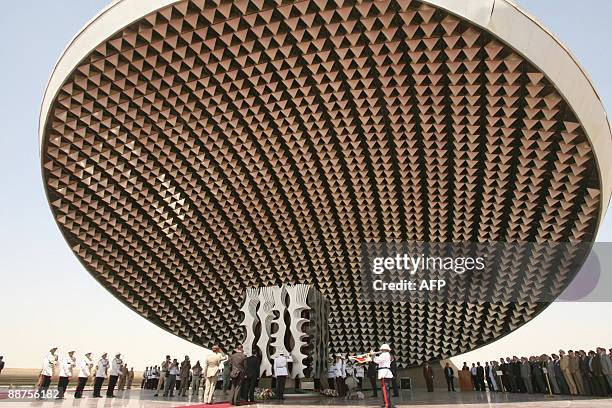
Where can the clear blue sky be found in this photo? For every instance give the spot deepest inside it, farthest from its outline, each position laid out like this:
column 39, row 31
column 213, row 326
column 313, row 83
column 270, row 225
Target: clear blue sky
column 47, row 298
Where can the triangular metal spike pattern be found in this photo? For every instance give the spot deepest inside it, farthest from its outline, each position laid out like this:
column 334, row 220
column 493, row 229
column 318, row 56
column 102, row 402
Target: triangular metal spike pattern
column 214, row 146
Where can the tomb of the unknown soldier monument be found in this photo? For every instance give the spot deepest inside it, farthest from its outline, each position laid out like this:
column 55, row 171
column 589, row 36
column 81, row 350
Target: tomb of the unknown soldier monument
column 323, row 177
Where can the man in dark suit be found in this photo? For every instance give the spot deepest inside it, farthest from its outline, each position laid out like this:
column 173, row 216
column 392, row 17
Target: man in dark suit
column 504, row 377
column 252, row 376
column 237, row 373
column 394, row 372
column 428, row 375
column 480, row 377
column 449, row 374
column 516, row 375
column 372, row 375
column 488, row 374
column 597, row 377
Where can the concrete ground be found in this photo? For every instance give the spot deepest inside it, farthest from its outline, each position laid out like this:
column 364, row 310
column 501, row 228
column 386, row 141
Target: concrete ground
column 137, row 398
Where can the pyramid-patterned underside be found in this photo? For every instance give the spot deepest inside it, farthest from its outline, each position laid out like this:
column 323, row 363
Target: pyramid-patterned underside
column 209, row 147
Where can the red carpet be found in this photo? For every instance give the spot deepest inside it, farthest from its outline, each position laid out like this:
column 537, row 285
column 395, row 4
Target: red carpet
column 220, row 404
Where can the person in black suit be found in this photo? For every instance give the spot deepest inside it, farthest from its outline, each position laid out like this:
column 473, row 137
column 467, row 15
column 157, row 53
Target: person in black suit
column 394, row 372
column 252, row 376
column 488, row 374
column 480, row 377
column 449, row 374
column 519, row 385
column 373, row 376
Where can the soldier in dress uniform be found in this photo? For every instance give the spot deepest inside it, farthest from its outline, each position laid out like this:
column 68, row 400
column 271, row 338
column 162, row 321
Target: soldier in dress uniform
column 49, row 363
column 383, row 360
column 85, row 366
column 66, row 367
column 101, row 372
column 115, row 370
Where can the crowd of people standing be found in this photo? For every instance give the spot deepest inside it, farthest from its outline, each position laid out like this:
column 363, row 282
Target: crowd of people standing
column 116, row 370
column 572, row 373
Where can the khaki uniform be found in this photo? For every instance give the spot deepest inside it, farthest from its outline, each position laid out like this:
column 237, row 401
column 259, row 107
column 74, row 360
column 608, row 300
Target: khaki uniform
column 564, row 363
column 574, row 366
column 212, row 365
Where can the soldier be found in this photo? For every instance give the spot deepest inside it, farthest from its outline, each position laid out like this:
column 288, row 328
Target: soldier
column 85, row 366
column 66, row 367
column 114, row 375
column 101, row 372
column 49, row 363
column 212, row 363
column 281, row 371
column 384, row 373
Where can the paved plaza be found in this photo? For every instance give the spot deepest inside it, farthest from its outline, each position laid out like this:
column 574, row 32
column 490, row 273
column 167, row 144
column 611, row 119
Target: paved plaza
column 422, row 399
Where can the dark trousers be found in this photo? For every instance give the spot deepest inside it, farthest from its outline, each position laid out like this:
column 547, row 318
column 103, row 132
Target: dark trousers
column 385, row 386
column 331, row 383
column 360, row 383
column 235, row 390
column 317, row 384
column 394, row 385
column 98, row 386
column 62, row 384
column 429, row 383
column 539, row 381
column 373, row 382
column 340, row 387
column 44, row 386
column 251, row 389
column 112, row 381
column 78, row 393
column 474, row 383
column 247, row 392
column 513, row 384
column 280, row 386
column 599, row 385
column 450, row 383
column 563, row 387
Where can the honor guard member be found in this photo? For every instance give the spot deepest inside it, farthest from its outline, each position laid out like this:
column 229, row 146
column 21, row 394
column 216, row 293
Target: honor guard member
column 66, row 367
column 49, row 363
column 115, row 370
column 85, row 366
column 383, row 360
column 101, row 372
column 359, row 374
column 281, row 371
column 331, row 374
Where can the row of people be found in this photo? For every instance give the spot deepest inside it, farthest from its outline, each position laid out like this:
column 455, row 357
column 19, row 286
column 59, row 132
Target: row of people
column 574, row 373
column 116, row 371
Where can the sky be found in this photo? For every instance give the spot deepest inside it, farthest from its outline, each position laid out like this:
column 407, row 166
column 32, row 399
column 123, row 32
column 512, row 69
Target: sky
column 48, row 299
